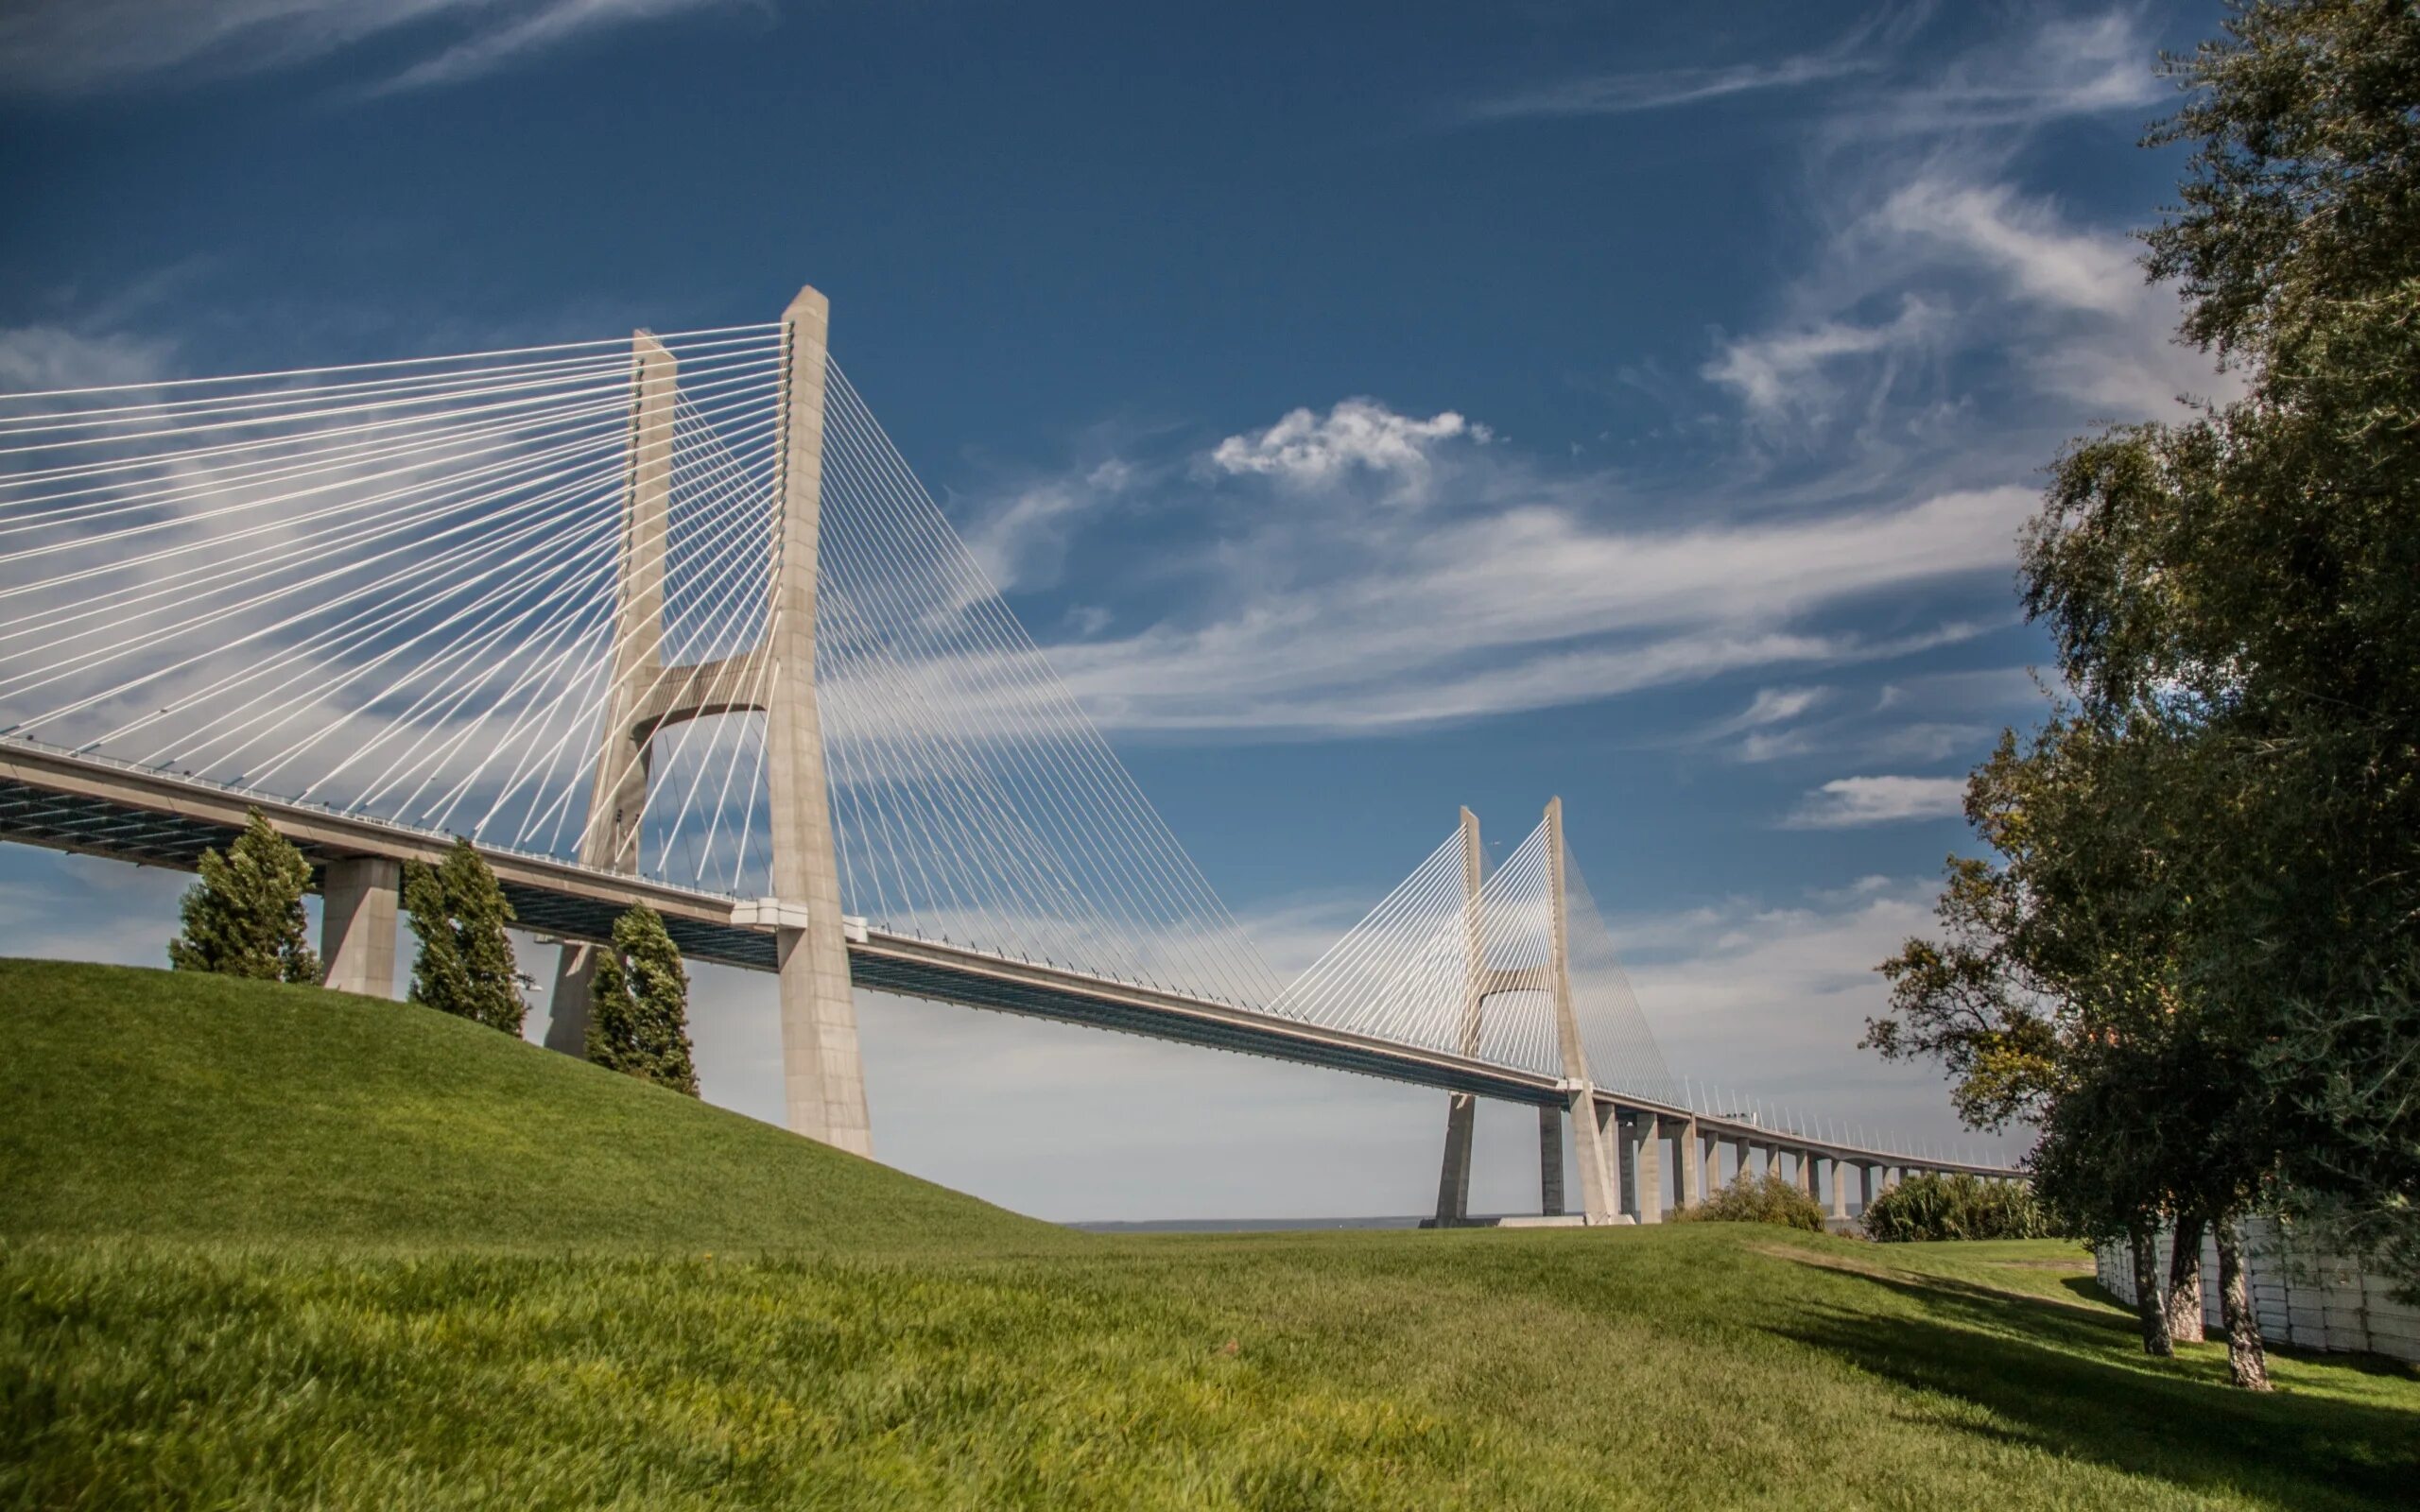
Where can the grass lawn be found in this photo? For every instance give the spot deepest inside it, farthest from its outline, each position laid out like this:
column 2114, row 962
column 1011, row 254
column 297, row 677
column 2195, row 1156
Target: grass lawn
column 196, row 1310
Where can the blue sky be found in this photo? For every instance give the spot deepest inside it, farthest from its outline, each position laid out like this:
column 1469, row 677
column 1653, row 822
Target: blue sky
column 1374, row 409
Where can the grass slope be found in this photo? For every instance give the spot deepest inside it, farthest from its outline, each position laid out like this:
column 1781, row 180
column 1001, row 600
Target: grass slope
column 174, row 1104
column 972, row 1365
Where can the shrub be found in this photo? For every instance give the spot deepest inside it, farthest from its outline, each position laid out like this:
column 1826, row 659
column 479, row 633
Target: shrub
column 1957, row 1207
column 1760, row 1199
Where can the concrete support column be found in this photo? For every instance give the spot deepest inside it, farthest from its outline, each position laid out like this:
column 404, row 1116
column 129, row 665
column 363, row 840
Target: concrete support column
column 1646, row 1165
column 1454, row 1181
column 358, row 925
column 1621, row 1137
column 1838, row 1170
column 1802, row 1172
column 1599, row 1178
column 822, row 1077
column 1691, row 1192
column 1772, row 1161
column 1551, row 1161
column 1593, row 1138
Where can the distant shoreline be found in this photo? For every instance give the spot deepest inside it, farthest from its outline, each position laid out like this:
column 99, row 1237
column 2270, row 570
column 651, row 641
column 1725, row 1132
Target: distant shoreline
column 1232, row 1225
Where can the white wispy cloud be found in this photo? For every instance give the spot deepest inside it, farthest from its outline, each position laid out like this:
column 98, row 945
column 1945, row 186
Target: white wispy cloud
column 1948, row 317
column 1852, row 802
column 74, row 47
column 41, row 359
column 2043, row 258
column 1785, row 374
column 1771, row 706
column 1928, row 718
column 1864, row 49
column 1513, row 590
column 1766, row 997
column 2050, row 65
column 1622, row 94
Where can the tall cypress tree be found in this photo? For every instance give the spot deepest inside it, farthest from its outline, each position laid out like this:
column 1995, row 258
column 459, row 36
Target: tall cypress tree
column 639, row 1005
column 466, row 966
column 245, row 916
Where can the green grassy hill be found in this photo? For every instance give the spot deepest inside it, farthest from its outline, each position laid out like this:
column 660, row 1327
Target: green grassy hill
column 175, row 1105
column 273, row 1248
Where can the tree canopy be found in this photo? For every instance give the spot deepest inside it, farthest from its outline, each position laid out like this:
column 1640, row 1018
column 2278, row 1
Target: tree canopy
column 465, row 966
column 638, row 1017
column 2194, row 956
column 245, row 916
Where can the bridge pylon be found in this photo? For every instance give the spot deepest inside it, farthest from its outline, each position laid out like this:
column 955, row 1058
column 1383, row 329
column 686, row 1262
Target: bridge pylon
column 1461, row 1108
column 1599, row 1188
column 1593, row 1141
column 823, row 1081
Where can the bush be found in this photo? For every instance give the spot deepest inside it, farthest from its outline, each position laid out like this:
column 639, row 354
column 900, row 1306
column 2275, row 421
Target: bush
column 1759, row 1199
column 1957, row 1207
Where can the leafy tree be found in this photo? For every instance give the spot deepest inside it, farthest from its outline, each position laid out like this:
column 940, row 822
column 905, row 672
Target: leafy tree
column 638, row 1020
column 245, row 916
column 2246, row 589
column 2069, row 961
column 465, row 966
column 2217, row 867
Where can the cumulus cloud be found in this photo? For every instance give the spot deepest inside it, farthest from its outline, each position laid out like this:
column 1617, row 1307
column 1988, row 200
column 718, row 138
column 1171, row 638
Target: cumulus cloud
column 1305, row 449
column 1851, row 802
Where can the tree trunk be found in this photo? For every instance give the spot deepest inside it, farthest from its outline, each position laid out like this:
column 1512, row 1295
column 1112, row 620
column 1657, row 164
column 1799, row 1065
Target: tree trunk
column 2147, row 1303
column 2246, row 1361
column 2185, row 1280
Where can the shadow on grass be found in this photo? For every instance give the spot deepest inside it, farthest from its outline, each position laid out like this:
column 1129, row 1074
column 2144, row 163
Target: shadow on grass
column 2072, row 1381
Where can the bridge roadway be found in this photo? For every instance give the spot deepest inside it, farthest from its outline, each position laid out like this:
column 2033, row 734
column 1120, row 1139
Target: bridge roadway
column 67, row 800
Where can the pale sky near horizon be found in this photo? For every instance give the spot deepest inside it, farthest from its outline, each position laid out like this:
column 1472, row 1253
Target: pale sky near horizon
column 1627, row 406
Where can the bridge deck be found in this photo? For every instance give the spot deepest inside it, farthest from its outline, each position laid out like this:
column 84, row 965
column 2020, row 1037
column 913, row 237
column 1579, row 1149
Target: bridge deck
column 67, row 801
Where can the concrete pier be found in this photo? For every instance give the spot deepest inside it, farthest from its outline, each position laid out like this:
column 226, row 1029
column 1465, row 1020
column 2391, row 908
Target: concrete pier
column 1454, row 1180
column 1644, row 1140
column 358, row 925
column 1551, row 1161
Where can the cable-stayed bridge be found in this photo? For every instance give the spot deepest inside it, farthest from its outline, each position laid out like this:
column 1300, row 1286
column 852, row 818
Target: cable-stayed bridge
column 669, row 620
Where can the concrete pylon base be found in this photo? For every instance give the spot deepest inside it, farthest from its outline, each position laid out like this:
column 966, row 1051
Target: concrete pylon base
column 358, row 925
